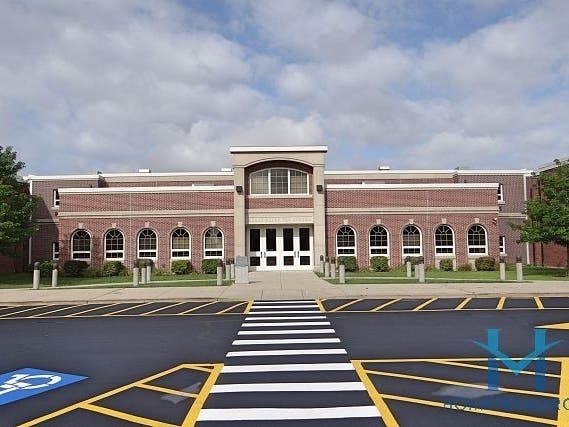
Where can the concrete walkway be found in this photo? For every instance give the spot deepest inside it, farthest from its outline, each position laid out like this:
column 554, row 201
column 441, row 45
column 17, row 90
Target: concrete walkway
column 281, row 286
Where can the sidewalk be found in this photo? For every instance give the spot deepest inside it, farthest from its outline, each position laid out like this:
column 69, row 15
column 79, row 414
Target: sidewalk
column 281, row 286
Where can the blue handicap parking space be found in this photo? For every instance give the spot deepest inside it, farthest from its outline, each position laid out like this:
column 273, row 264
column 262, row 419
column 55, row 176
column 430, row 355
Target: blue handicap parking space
column 27, row 382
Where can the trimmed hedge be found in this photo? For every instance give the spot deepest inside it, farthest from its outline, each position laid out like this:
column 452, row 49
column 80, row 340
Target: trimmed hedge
column 209, row 266
column 74, row 267
column 446, row 264
column 464, row 267
column 379, row 263
column 350, row 262
column 113, row 268
column 485, row 263
column 181, row 266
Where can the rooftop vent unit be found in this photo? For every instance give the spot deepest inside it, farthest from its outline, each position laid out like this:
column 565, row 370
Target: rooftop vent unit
column 144, row 170
column 383, row 168
column 226, row 169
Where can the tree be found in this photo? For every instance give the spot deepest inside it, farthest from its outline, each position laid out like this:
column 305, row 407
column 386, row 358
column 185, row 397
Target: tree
column 16, row 205
column 548, row 214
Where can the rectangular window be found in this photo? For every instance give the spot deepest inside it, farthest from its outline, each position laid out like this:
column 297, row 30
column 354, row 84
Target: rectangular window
column 279, row 181
column 260, row 182
column 298, row 182
column 500, row 193
column 56, row 198
column 502, row 245
column 55, row 250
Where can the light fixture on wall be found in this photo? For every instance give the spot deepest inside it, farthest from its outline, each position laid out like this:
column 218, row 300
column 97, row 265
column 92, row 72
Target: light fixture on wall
column 239, row 189
column 319, row 188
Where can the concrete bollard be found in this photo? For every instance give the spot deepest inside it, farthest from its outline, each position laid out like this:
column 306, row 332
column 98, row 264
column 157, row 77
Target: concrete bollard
column 143, row 273
column 415, row 272
column 322, row 264
column 502, row 270
column 219, row 278
column 333, row 268
column 135, row 276
column 408, row 265
column 342, row 272
column 227, row 270
column 421, row 273
column 54, row 274
column 232, row 270
column 148, row 273
column 327, row 268
column 519, row 270
column 36, row 277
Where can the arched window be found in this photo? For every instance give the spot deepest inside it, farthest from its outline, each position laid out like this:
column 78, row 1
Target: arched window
column 81, row 245
column 114, row 245
column 412, row 241
column 477, row 242
column 278, row 181
column 378, row 241
column 213, row 243
column 180, row 244
column 147, row 244
column 444, row 240
column 345, row 241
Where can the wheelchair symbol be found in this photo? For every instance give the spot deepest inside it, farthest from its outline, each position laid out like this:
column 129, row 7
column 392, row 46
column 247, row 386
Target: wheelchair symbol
column 28, row 382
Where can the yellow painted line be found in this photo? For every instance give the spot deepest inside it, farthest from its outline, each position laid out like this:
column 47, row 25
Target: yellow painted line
column 248, row 308
column 232, row 307
column 485, row 368
column 197, row 308
column 162, row 308
column 166, row 390
column 7, row 308
column 459, row 383
column 59, row 309
column 346, row 305
column 199, row 368
column 27, row 309
column 538, row 303
column 126, row 309
column 501, row 302
column 478, row 410
column 379, row 307
column 320, row 305
column 562, row 413
column 124, row 416
column 323, row 299
column 426, row 303
column 192, row 415
column 462, row 304
column 92, row 309
column 380, row 404
column 460, row 359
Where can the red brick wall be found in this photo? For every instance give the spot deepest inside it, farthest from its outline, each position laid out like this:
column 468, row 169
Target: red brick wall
column 513, row 189
column 155, row 183
column 42, row 241
column 44, row 190
column 384, row 180
column 549, row 255
column 514, row 248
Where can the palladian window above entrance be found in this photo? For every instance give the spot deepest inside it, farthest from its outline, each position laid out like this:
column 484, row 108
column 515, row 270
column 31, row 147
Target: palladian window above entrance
column 279, row 181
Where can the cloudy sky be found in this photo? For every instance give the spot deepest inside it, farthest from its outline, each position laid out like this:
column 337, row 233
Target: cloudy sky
column 108, row 85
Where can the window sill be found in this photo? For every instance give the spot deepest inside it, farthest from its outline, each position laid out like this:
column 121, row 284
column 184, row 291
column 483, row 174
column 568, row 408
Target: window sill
column 280, row 196
column 501, row 202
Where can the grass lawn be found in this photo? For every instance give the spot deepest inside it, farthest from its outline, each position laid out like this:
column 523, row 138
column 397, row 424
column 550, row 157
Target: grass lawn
column 24, row 280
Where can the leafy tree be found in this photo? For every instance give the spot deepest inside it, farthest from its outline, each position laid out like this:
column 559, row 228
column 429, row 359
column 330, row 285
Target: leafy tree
column 16, row 205
column 548, row 214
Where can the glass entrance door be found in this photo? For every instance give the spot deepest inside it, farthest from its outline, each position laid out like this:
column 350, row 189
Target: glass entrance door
column 262, row 243
column 280, row 248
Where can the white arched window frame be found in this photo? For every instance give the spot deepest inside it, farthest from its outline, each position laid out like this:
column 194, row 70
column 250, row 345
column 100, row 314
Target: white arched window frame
column 147, row 244
column 114, row 245
column 477, row 239
column 278, row 181
column 180, row 244
column 81, row 245
column 345, row 241
column 213, row 243
column 378, row 241
column 412, row 241
column 444, row 240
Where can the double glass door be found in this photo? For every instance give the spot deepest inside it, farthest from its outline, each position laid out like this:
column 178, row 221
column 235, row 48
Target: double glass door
column 280, row 248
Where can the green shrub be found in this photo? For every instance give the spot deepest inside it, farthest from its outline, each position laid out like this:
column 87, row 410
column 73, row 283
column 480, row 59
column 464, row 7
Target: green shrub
column 91, row 272
column 46, row 268
column 350, row 262
column 446, row 264
column 143, row 262
column 413, row 259
column 209, row 266
column 181, row 267
column 379, row 263
column 464, row 267
column 160, row 272
column 485, row 263
column 74, row 267
column 113, row 268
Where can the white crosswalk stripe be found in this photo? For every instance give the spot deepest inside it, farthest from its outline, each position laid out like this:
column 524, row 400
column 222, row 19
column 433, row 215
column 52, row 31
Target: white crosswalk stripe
column 288, row 365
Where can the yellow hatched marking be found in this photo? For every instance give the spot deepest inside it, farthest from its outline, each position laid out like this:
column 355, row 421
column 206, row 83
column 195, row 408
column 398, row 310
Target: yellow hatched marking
column 323, row 299
column 538, row 303
column 124, row 416
column 501, row 302
column 426, row 303
column 485, row 368
column 6, row 308
column 192, row 416
column 562, row 413
column 166, row 390
column 231, row 308
column 248, row 308
column 463, row 303
column 458, row 383
column 462, row 359
column 59, row 309
column 27, row 309
column 320, row 305
column 387, row 304
column 478, row 411
column 346, row 305
column 92, row 309
column 380, row 404
column 162, row 308
column 197, row 308
column 126, row 309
